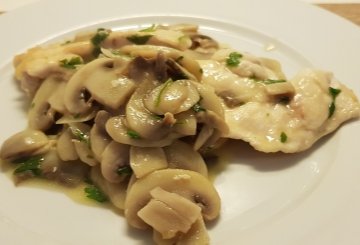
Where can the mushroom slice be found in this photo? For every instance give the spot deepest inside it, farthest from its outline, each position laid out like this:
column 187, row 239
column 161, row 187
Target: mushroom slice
column 98, row 135
column 26, row 143
column 189, row 184
column 197, row 235
column 65, row 146
column 56, row 100
column 172, row 96
column 41, row 114
column 144, row 160
column 70, row 118
column 114, row 157
column 183, row 156
column 81, row 142
column 120, row 133
column 203, row 44
column 169, row 213
column 141, row 120
column 115, row 191
column 185, row 123
column 150, row 51
column 102, row 79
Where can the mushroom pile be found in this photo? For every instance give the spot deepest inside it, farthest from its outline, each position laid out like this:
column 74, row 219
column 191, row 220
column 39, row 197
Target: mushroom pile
column 135, row 112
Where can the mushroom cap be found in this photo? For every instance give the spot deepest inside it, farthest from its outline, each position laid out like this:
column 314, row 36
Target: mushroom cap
column 26, row 143
column 186, row 183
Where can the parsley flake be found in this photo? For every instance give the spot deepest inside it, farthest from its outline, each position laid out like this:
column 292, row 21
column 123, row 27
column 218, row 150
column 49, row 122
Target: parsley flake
column 124, row 170
column 162, row 90
column 80, row 135
column 98, row 38
column 283, row 137
column 31, row 164
column 72, row 63
column 133, row 134
column 198, row 108
column 272, row 81
column 139, row 39
column 234, row 59
column 94, row 193
column 150, row 28
column 334, row 92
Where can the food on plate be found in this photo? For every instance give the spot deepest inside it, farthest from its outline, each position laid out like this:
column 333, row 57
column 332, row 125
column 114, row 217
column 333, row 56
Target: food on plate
column 133, row 113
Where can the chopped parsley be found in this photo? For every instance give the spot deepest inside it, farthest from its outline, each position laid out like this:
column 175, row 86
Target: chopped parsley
column 272, row 81
column 162, row 90
column 334, row 92
column 98, row 38
column 72, row 63
column 234, row 59
column 198, row 108
column 95, row 193
column 158, row 117
column 31, row 164
column 283, row 137
column 150, row 28
column 139, row 39
column 179, row 59
column 133, row 134
column 81, row 136
column 124, row 170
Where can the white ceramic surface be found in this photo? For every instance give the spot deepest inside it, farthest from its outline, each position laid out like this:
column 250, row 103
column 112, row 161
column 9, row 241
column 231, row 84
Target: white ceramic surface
column 307, row 198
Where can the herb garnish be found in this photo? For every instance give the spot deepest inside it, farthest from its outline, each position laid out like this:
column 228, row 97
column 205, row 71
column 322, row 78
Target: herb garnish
column 272, row 81
column 283, row 137
column 98, row 38
column 158, row 97
column 150, row 28
column 334, row 92
column 180, row 58
column 95, row 193
column 139, row 39
column 72, row 63
column 133, row 134
column 124, row 170
column 198, row 108
column 81, row 136
column 31, row 164
column 233, row 59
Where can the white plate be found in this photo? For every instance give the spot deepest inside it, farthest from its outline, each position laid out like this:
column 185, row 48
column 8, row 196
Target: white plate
column 307, row 198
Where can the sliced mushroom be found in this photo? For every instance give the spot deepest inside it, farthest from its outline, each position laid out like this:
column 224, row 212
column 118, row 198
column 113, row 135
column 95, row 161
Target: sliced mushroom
column 150, row 51
column 141, row 120
column 169, row 213
column 120, row 133
column 197, row 235
column 144, row 160
column 65, row 146
column 189, row 184
column 185, row 123
column 102, row 79
column 41, row 114
column 203, row 44
column 114, row 157
column 71, row 118
column 98, row 135
column 181, row 155
column 115, row 191
column 172, row 96
column 56, row 100
column 81, row 142
column 26, row 143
